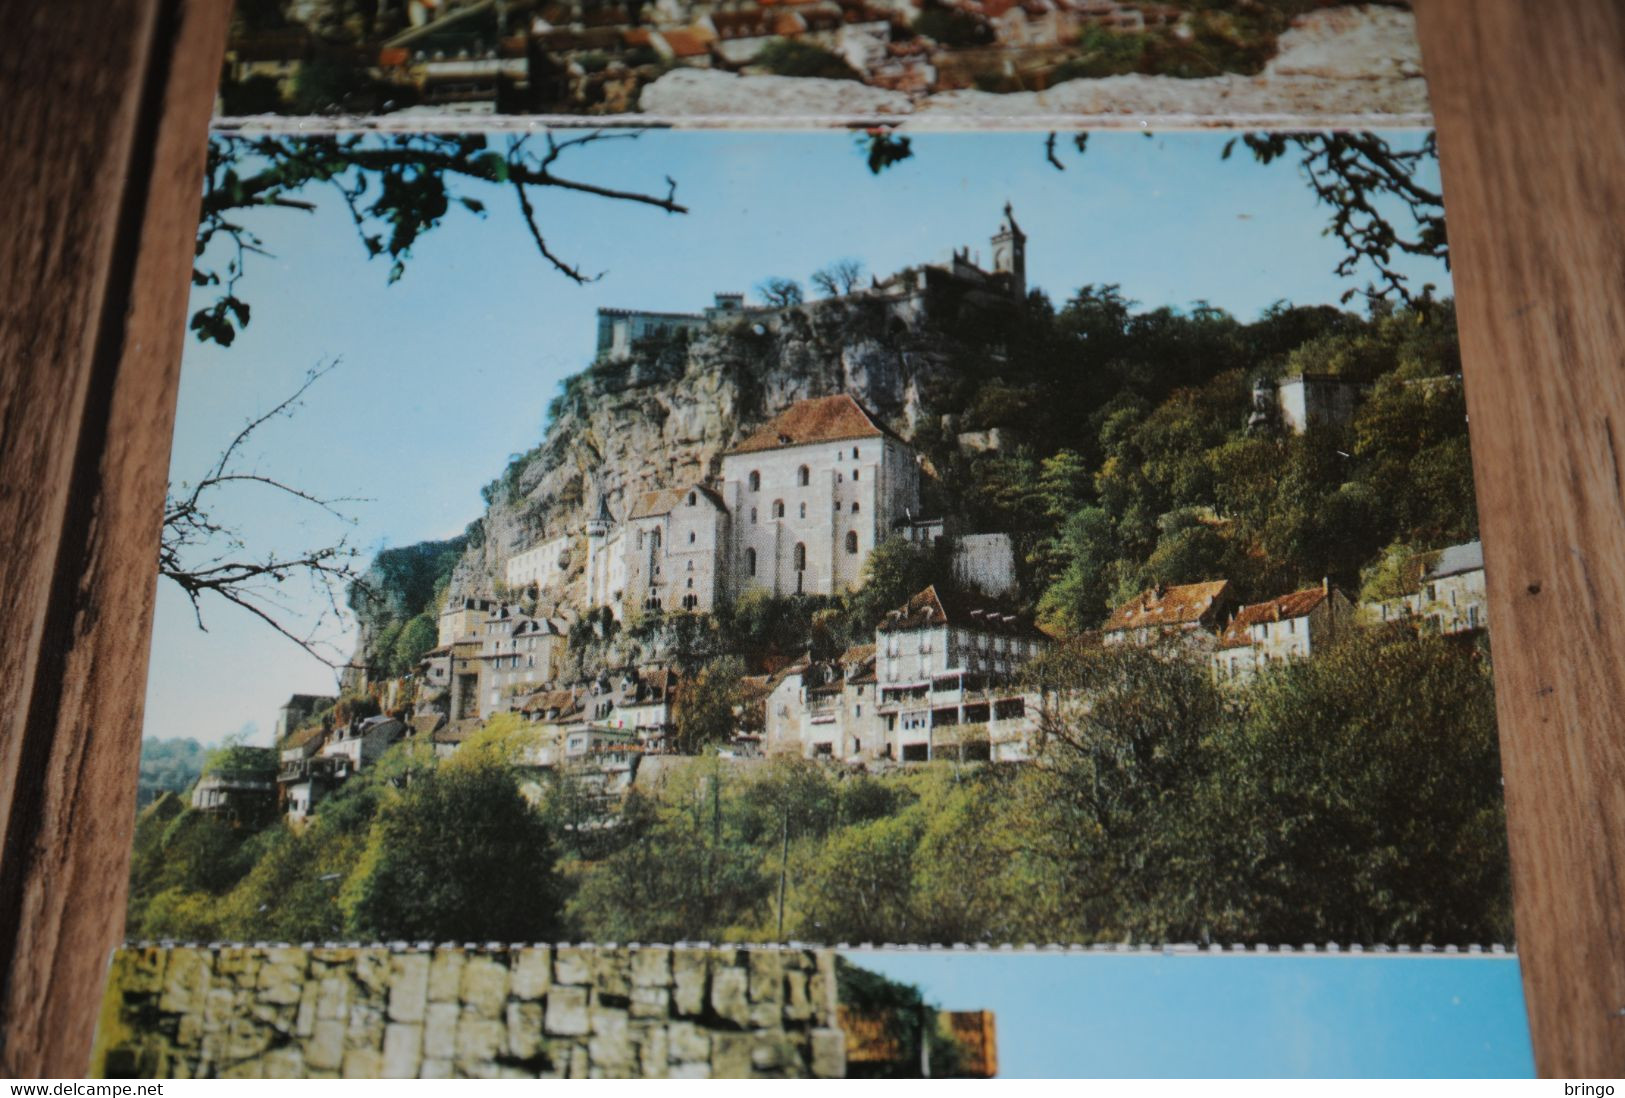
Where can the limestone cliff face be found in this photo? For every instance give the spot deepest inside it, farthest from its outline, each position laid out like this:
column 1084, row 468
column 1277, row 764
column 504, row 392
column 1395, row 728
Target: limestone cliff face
column 665, row 416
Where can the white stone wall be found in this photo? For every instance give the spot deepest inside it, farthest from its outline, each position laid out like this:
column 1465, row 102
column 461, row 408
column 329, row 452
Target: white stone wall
column 539, row 564
column 677, row 559
column 1455, row 604
column 857, row 487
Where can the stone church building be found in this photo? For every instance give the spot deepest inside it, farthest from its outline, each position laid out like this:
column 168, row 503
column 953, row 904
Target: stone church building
column 812, row 492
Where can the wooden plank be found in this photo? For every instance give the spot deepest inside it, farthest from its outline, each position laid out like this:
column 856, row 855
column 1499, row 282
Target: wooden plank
column 108, row 104
column 1528, row 98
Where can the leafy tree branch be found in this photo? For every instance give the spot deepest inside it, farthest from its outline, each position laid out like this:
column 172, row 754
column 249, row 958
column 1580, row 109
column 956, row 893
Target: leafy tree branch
column 395, row 188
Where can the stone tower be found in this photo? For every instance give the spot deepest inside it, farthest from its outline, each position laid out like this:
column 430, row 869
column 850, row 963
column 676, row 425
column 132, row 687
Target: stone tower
column 1010, row 254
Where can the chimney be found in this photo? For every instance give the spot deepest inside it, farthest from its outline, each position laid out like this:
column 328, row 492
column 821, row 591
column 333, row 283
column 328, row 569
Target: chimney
column 1326, row 585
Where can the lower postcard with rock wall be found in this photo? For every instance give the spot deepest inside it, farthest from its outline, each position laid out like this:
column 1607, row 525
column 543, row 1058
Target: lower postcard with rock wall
column 278, row 1011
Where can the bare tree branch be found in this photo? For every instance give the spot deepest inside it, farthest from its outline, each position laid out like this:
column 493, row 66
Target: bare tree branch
column 206, row 556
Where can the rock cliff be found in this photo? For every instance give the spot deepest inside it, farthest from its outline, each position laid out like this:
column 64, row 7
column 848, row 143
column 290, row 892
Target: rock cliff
column 664, row 416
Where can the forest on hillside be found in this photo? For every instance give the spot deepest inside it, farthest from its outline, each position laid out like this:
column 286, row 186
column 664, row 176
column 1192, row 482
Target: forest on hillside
column 1353, row 798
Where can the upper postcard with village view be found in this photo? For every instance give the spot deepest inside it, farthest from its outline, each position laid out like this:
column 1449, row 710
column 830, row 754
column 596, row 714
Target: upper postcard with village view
column 922, row 63
column 734, row 535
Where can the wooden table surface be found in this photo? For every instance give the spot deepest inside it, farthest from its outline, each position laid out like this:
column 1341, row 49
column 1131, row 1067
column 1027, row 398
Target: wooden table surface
column 107, row 105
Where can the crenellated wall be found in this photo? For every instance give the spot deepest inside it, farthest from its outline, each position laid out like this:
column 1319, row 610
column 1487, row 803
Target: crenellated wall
column 464, row 1012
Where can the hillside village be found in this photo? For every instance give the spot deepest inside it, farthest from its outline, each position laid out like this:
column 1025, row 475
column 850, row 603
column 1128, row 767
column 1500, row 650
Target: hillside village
column 595, row 56
column 797, row 506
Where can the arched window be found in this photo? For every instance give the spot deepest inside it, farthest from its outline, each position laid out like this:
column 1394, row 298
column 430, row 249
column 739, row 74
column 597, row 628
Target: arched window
column 854, row 453
column 691, row 533
column 693, row 498
column 854, row 507
column 803, row 476
column 755, row 481
column 801, row 557
column 750, row 561
column 778, row 508
column 803, row 508
column 851, row 541
column 753, row 514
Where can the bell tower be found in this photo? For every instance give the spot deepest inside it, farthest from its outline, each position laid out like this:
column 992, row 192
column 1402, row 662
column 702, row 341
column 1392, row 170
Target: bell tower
column 1010, row 253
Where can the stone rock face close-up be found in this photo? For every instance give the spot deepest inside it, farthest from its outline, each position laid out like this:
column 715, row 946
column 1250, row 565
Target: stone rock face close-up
column 462, row 1012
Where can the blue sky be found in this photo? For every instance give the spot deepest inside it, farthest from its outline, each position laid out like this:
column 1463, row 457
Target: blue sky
column 446, row 373
column 1083, row 1014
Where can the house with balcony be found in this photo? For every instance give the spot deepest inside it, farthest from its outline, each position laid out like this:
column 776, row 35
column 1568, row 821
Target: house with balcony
column 948, row 674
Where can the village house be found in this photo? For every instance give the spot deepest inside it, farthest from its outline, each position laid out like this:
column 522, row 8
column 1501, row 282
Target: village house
column 300, row 784
column 947, row 671
column 462, row 618
column 517, row 653
column 811, row 493
column 314, row 761
column 1290, row 627
column 360, row 743
column 1191, row 610
column 1453, row 598
column 1302, row 401
column 825, row 709
column 298, row 709
column 674, row 544
column 1444, row 592
column 241, row 787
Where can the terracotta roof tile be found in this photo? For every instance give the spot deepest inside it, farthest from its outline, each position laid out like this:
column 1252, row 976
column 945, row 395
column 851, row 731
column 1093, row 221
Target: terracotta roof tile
column 1158, row 608
column 1238, row 633
column 821, row 419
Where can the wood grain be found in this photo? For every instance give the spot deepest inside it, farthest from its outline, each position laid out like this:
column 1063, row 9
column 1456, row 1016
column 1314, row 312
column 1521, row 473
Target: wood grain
column 106, row 107
column 1528, row 99
column 108, row 104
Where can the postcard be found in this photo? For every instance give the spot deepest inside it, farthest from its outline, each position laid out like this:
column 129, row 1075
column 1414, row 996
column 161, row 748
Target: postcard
column 719, row 537
column 419, row 64
column 690, row 1012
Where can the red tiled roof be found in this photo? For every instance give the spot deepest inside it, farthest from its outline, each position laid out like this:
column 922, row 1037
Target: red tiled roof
column 1296, row 605
column 1186, row 604
column 821, row 419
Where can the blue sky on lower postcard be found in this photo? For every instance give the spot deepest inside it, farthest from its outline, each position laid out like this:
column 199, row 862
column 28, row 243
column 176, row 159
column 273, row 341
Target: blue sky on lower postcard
column 1281, row 1015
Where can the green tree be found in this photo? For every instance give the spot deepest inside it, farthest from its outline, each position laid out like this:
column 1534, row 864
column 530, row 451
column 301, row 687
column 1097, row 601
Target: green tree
column 896, row 570
column 788, row 57
column 461, row 855
column 415, row 639
column 1125, row 731
column 706, row 703
column 1366, row 783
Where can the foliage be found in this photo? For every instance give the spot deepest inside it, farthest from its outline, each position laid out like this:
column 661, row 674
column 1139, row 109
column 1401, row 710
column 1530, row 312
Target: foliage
column 780, row 293
column 841, row 277
column 167, row 766
column 395, row 187
column 789, row 57
column 458, row 854
column 704, row 712
column 952, row 27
